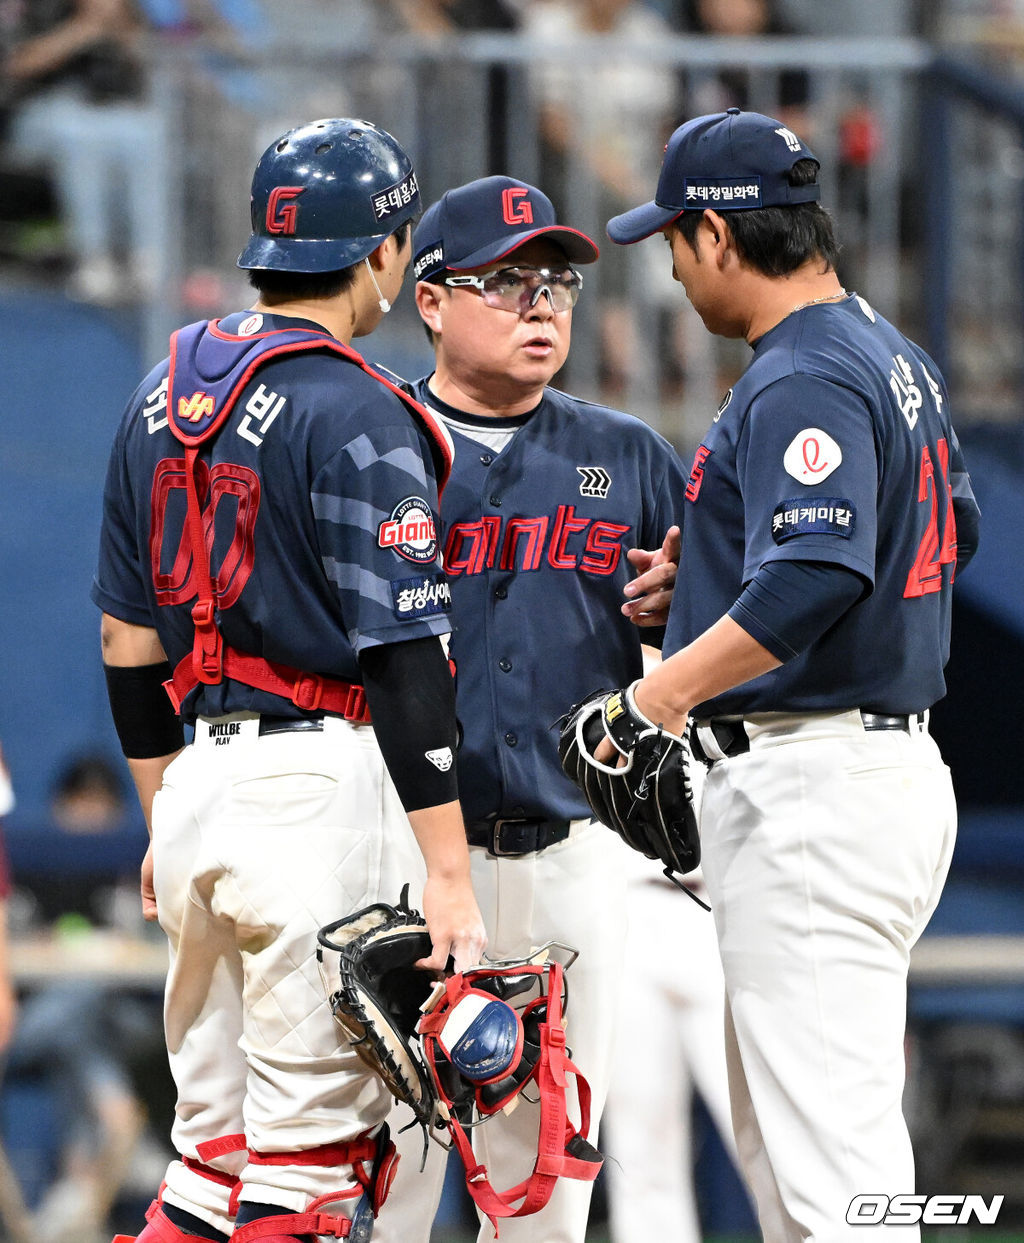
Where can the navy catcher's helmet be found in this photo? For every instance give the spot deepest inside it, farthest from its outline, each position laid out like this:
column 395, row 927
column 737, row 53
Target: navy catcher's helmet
column 326, row 194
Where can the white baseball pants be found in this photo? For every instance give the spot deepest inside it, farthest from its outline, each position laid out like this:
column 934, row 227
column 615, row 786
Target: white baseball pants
column 825, row 849
column 675, row 1044
column 258, row 842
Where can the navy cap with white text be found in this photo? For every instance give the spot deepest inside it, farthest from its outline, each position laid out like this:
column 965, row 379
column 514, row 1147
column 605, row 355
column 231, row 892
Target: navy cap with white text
column 476, row 224
column 728, row 161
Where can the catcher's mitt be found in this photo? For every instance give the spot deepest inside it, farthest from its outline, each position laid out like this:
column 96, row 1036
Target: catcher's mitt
column 380, row 994
column 649, row 801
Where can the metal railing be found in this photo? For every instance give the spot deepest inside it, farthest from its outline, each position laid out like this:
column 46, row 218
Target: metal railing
column 478, row 104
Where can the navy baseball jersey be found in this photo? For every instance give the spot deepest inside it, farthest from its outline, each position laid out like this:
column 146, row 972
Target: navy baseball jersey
column 834, row 446
column 337, row 552
column 536, row 520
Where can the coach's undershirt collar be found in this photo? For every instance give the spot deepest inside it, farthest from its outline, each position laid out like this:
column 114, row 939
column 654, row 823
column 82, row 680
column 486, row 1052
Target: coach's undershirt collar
column 497, row 422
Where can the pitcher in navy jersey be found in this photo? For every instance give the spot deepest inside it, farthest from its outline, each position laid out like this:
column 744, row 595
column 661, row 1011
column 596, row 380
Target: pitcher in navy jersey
column 827, row 512
column 270, row 552
column 548, row 496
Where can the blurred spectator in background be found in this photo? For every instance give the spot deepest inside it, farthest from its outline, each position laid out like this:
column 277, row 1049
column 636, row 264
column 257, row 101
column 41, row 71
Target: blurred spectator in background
column 76, row 94
column 440, row 18
column 88, row 796
column 75, row 1035
column 81, row 869
column 992, row 30
column 613, row 117
column 784, row 95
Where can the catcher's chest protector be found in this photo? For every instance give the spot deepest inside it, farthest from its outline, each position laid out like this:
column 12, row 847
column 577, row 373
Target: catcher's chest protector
column 208, row 370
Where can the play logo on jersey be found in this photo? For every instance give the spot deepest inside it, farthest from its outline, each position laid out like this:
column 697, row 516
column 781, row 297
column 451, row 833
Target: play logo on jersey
column 596, row 481
column 410, row 531
column 812, row 456
column 424, row 596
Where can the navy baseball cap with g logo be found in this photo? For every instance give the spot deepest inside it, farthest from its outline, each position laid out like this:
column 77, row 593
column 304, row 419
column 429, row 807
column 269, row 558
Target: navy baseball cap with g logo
column 483, row 221
column 728, row 161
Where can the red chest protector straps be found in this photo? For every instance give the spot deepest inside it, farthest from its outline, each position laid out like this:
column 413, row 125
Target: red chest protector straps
column 198, row 405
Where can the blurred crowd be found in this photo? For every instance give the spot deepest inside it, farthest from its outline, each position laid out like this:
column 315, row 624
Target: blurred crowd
column 89, row 162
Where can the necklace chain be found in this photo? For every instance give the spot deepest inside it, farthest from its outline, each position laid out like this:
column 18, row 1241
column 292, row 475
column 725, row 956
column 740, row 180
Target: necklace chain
column 826, row 297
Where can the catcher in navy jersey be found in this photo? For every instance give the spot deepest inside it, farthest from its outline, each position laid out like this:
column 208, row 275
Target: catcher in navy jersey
column 827, row 511
column 550, row 504
column 269, row 550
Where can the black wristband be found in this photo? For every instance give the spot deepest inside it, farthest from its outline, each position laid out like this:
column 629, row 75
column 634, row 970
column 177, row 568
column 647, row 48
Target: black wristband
column 144, row 717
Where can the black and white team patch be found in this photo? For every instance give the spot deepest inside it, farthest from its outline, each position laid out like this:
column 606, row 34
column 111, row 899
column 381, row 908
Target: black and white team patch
column 596, row 481
column 824, row 515
column 423, row 596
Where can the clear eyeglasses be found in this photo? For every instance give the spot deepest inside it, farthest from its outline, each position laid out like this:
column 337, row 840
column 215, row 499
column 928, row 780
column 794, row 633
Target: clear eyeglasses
column 517, row 289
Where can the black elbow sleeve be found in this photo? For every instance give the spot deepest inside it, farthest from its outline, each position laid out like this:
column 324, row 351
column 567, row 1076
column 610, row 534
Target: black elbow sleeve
column 144, row 717
column 411, row 694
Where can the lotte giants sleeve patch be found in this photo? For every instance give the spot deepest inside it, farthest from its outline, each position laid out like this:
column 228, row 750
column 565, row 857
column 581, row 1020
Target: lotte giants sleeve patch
column 825, row 515
column 423, row 596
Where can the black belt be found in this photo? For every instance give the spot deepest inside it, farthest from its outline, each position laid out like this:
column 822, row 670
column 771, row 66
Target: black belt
column 270, row 724
column 732, row 737
column 516, row 837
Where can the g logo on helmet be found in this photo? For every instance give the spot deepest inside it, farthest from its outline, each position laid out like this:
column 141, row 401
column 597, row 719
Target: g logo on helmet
column 282, row 219
column 410, row 530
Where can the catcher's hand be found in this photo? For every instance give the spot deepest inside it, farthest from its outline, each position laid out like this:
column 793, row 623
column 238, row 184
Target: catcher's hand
column 649, row 800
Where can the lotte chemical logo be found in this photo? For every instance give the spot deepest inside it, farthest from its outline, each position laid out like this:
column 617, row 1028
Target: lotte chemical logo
column 812, row 456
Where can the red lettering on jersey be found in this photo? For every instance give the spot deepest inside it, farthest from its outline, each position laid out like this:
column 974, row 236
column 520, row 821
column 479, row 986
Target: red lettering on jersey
column 516, row 208
column 470, row 546
column 604, row 547
column 693, row 486
column 225, row 480
column 410, row 531
column 196, row 407
column 566, row 524
column 481, row 541
column 533, row 530
column 933, row 552
column 947, row 553
column 282, row 217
